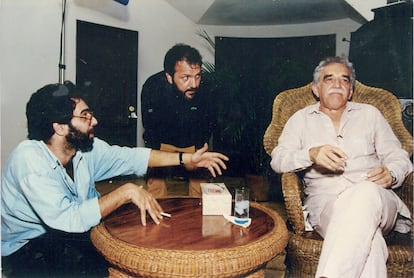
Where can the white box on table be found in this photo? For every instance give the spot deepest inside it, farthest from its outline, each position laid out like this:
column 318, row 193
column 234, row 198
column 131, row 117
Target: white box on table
column 215, row 225
column 216, row 199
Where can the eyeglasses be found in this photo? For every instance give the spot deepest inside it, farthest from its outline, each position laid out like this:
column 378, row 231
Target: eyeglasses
column 87, row 115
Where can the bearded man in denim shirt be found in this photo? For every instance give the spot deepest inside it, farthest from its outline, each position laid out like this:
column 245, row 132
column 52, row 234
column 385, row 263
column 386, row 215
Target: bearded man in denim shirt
column 48, row 197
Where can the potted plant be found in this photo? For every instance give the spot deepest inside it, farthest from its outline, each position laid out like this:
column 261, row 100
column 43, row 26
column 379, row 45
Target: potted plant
column 240, row 126
column 256, row 161
column 230, row 123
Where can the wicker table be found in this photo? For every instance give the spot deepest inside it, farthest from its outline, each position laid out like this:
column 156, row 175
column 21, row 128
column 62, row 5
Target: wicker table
column 189, row 244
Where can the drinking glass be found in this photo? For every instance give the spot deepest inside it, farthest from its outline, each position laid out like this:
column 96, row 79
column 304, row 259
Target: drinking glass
column 241, row 202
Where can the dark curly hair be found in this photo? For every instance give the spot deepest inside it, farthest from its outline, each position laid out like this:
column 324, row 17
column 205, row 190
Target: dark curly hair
column 181, row 52
column 53, row 103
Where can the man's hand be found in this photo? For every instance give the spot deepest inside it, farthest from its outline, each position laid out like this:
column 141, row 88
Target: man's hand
column 127, row 193
column 328, row 157
column 381, row 176
column 146, row 202
column 212, row 161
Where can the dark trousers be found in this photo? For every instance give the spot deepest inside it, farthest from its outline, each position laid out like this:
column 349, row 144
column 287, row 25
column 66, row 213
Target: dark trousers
column 56, row 254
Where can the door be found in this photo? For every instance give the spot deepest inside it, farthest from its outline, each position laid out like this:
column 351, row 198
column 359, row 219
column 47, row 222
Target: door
column 106, row 71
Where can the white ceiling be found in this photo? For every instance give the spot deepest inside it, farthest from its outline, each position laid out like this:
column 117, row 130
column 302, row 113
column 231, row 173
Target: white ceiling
column 274, row 12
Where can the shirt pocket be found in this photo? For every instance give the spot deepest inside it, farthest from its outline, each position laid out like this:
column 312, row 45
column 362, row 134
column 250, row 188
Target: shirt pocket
column 359, row 146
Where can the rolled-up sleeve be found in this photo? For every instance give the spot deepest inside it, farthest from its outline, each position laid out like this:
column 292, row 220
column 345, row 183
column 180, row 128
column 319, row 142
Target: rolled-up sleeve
column 106, row 161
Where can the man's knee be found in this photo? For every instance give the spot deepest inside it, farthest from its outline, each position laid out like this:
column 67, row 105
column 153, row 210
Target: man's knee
column 369, row 191
column 364, row 197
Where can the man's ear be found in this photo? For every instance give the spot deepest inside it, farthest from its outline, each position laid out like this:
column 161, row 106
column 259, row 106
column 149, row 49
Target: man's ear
column 59, row 129
column 169, row 78
column 351, row 92
column 315, row 90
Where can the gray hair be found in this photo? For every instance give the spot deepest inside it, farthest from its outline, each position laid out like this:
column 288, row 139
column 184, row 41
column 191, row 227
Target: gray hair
column 334, row 60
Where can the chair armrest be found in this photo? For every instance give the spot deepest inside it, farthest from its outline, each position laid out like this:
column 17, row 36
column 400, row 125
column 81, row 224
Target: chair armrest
column 405, row 192
column 291, row 188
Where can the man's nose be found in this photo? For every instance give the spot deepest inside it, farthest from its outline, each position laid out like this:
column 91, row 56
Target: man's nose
column 94, row 121
column 192, row 82
column 337, row 82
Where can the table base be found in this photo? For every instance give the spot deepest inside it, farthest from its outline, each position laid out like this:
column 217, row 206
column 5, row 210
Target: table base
column 115, row 273
column 135, row 251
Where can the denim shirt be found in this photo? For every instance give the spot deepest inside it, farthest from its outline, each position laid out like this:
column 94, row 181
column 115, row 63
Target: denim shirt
column 37, row 193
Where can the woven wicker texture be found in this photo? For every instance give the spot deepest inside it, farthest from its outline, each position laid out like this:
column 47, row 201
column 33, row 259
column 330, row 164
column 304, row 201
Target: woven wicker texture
column 114, row 273
column 304, row 247
column 135, row 261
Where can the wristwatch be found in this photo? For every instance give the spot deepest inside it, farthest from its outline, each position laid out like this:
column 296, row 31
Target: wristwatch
column 394, row 178
column 180, row 158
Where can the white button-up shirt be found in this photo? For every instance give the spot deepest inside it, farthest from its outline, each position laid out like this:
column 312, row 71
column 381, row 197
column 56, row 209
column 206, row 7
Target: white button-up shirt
column 364, row 135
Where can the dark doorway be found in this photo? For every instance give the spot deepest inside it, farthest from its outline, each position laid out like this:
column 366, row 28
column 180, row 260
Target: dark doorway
column 256, row 70
column 106, row 70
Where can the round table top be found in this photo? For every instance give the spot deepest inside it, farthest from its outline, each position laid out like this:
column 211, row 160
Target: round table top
column 187, row 229
column 189, row 244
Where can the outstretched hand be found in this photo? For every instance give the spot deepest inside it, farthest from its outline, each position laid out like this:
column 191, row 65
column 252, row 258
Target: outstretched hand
column 212, row 161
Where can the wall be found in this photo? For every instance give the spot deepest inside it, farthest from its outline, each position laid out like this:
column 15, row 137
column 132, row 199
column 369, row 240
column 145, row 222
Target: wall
column 30, row 37
column 342, row 29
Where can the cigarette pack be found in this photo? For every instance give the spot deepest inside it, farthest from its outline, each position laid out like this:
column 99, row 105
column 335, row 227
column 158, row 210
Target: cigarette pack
column 216, row 199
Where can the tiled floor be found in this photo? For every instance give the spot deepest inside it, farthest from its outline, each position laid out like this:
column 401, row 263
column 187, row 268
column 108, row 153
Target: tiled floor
column 176, row 187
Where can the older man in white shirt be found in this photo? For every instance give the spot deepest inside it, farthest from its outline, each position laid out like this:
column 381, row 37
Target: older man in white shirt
column 351, row 161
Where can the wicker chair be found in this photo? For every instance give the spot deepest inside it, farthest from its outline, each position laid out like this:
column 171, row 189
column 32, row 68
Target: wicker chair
column 304, row 248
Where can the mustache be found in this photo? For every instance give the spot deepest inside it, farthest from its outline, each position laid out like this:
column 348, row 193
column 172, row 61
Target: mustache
column 191, row 90
column 337, row 91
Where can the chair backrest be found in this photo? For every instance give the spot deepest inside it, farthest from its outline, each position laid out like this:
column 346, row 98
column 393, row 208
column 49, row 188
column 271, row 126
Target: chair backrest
column 284, row 106
column 288, row 102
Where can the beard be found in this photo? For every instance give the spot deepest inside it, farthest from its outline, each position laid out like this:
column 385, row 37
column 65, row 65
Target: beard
column 79, row 140
column 192, row 95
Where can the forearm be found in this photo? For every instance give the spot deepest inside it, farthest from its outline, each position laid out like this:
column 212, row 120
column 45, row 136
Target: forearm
column 400, row 169
column 113, row 200
column 212, row 161
column 131, row 193
column 161, row 159
column 390, row 152
column 291, row 153
column 285, row 160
